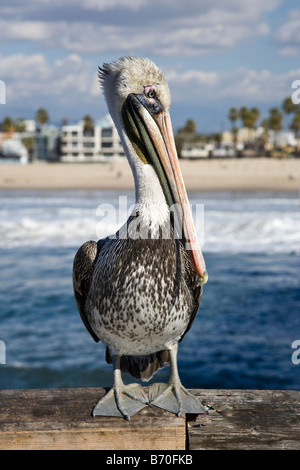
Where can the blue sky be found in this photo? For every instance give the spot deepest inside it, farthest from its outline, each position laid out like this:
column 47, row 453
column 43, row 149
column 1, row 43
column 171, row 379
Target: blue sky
column 215, row 54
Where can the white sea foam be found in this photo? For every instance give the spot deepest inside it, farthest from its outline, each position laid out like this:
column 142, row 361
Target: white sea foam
column 231, row 223
column 252, row 232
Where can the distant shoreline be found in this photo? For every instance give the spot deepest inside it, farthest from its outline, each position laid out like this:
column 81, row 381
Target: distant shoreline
column 245, row 174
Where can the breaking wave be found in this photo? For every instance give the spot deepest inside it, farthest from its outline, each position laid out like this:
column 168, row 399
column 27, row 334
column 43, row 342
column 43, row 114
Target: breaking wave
column 231, row 223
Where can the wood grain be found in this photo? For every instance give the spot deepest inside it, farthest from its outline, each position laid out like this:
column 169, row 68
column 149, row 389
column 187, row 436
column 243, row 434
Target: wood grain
column 246, row 419
column 61, row 419
column 237, row 419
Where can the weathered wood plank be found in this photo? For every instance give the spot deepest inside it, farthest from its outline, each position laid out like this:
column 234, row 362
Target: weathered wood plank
column 61, row 419
column 237, row 419
column 246, row 419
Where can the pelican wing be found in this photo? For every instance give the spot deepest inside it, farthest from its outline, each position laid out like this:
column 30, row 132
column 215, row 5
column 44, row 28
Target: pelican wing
column 194, row 287
column 83, row 269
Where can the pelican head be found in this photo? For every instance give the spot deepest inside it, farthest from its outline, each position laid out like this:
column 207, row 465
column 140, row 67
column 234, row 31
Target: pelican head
column 138, row 99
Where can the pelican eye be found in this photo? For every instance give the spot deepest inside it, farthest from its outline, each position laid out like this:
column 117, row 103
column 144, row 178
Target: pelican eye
column 151, row 94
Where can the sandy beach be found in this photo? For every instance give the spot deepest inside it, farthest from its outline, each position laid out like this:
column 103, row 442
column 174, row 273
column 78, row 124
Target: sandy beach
column 259, row 174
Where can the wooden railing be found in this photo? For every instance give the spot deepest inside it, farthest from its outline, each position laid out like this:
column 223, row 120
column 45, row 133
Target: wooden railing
column 237, row 419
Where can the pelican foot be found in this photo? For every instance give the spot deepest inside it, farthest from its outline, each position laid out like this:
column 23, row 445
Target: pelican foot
column 175, row 398
column 122, row 401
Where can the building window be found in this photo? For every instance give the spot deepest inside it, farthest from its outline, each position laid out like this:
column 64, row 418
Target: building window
column 88, row 144
column 107, row 144
column 88, row 132
column 74, row 133
column 107, row 132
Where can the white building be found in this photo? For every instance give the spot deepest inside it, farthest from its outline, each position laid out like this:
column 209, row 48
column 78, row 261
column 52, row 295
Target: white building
column 13, row 150
column 30, row 125
column 282, row 139
column 196, row 150
column 101, row 144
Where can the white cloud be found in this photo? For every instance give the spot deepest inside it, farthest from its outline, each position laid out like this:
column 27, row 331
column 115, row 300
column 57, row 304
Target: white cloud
column 241, row 84
column 111, row 4
column 32, row 80
column 289, row 51
column 93, row 38
column 38, row 6
column 288, row 35
column 73, row 81
column 164, row 28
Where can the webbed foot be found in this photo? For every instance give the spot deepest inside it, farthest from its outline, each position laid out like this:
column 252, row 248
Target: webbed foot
column 174, row 397
column 122, row 401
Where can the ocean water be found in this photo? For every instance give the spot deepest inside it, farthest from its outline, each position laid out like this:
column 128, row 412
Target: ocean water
column 248, row 320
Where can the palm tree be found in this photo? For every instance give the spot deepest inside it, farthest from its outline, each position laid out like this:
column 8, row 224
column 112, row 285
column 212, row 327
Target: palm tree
column 190, row 126
column 189, row 130
column 8, row 125
column 295, row 126
column 185, row 134
column 244, row 114
column 255, row 113
column 249, row 117
column 265, row 124
column 233, row 116
column 20, row 125
column 88, row 125
column 29, row 144
column 275, row 121
column 288, row 106
column 42, row 117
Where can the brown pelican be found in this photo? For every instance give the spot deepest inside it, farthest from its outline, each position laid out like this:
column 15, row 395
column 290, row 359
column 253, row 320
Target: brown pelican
column 139, row 291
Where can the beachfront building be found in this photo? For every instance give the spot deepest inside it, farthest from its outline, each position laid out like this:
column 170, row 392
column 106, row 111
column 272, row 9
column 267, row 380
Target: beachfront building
column 100, row 144
column 12, row 150
column 46, row 143
column 30, row 143
column 14, row 146
column 194, row 150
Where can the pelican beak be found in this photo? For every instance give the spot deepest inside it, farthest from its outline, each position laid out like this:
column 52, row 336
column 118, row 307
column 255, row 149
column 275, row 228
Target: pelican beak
column 153, row 135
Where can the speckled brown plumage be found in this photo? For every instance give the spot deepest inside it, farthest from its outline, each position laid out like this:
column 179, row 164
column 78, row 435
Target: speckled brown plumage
column 138, row 296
